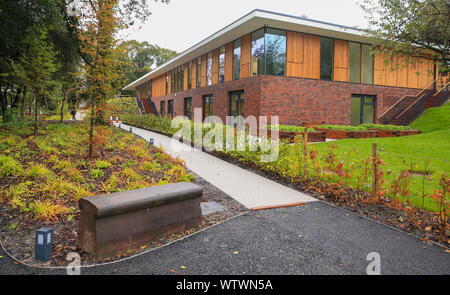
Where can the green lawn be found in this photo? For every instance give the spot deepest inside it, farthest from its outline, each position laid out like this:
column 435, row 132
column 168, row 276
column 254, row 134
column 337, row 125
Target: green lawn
column 403, row 153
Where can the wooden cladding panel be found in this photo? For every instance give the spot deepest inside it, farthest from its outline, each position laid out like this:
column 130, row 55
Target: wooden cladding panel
column 158, row 86
column 185, row 76
column 294, row 50
column 203, row 70
column 229, row 55
column 246, row 47
column 379, row 77
column 341, row 60
column 311, row 57
column 215, row 66
column 194, row 74
column 294, row 54
column 169, row 90
column 413, row 77
column 402, row 73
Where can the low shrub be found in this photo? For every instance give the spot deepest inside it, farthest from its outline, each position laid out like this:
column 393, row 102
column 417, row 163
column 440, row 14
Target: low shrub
column 9, row 166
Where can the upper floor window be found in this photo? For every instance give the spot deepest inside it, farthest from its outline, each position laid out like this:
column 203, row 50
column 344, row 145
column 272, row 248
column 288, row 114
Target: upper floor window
column 221, row 64
column 237, row 60
column 268, row 52
column 360, row 63
column 177, row 79
column 189, row 82
column 326, row 58
column 209, row 69
column 198, row 72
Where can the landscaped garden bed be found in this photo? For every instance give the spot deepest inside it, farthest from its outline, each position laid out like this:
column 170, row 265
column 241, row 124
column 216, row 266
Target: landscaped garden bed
column 44, row 176
column 342, row 172
column 365, row 131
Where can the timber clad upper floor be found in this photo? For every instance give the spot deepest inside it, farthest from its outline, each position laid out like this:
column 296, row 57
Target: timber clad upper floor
column 283, row 52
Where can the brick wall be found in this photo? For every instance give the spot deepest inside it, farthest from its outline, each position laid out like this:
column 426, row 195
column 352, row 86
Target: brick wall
column 299, row 100
column 294, row 100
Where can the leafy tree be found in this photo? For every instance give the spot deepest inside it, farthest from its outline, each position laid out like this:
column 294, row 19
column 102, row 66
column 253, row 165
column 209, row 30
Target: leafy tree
column 37, row 67
column 408, row 27
column 142, row 57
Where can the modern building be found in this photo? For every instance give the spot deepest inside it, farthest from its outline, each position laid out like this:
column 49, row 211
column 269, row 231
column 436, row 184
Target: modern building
column 302, row 70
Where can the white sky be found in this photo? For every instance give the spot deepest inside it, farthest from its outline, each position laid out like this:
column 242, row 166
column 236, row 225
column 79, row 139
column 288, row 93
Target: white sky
column 183, row 23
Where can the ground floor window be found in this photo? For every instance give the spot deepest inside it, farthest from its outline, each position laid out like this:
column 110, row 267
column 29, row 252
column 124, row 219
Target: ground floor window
column 237, row 103
column 188, row 107
column 207, row 106
column 363, row 109
column 162, row 108
column 170, row 108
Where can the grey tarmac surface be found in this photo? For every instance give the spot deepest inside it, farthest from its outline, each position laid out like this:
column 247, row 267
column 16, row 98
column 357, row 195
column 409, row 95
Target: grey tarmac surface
column 268, row 242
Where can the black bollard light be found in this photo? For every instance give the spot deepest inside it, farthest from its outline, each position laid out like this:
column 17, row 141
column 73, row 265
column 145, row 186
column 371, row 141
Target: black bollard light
column 43, row 244
column 120, row 125
column 151, row 141
column 131, row 129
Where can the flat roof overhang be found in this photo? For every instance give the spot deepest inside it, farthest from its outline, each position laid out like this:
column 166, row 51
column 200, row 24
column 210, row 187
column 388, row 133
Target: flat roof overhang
column 247, row 24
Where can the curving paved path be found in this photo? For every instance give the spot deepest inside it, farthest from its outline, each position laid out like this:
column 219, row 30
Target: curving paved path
column 248, row 188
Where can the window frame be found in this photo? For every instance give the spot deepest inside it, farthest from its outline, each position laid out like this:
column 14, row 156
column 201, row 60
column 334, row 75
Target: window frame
column 187, row 113
column 207, row 99
column 240, row 98
column 170, row 108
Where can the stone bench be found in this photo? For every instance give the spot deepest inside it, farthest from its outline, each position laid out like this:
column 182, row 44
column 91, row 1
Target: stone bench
column 114, row 223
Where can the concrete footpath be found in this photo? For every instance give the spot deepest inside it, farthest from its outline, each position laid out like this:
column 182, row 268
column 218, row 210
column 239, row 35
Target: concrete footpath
column 248, row 188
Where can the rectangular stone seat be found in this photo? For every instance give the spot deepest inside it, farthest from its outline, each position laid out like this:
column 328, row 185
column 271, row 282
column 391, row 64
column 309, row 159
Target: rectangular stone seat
column 114, row 223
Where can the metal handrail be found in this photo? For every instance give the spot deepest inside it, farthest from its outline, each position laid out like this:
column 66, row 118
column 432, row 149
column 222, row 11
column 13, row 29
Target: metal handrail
column 401, row 99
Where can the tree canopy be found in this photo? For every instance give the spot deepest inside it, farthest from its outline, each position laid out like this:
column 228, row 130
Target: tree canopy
column 408, row 27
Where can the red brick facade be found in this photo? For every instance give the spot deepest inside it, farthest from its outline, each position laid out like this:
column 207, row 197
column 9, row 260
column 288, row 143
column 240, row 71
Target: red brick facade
column 294, row 100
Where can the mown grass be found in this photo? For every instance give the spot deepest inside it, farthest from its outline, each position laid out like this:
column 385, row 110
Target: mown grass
column 420, row 153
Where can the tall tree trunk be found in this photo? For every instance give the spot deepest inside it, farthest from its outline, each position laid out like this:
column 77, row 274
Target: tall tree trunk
column 63, row 89
column 36, row 100
column 24, row 97
column 16, row 100
column 91, row 127
column 4, row 102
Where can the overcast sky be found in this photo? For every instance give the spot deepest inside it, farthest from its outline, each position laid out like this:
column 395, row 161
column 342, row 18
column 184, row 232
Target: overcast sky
column 183, row 23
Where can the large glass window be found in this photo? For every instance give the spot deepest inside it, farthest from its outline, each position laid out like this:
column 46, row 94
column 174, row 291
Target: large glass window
column 360, row 63
column 237, row 103
column 207, row 106
column 188, row 107
column 354, row 62
column 237, row 60
column 199, row 72
column 275, row 52
column 162, row 108
column 268, row 52
column 257, row 60
column 170, row 108
column 367, row 68
column 326, row 58
column 362, row 109
column 177, row 79
column 221, row 64
column 209, row 69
